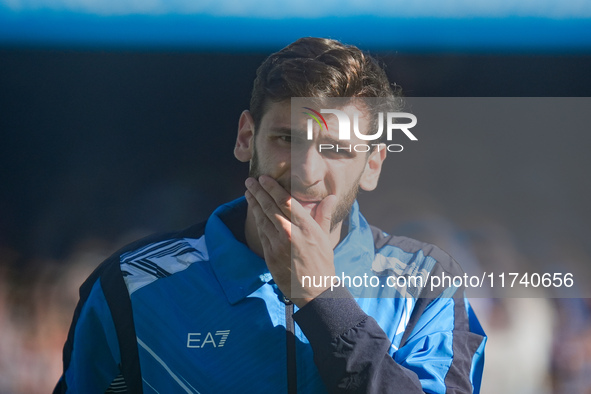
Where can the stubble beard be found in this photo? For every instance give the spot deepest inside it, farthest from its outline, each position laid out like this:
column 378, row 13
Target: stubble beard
column 343, row 207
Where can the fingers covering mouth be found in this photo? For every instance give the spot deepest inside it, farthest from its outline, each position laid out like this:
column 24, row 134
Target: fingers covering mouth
column 309, row 206
column 303, row 199
column 308, row 203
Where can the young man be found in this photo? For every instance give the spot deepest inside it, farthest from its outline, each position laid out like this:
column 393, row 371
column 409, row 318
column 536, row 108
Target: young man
column 211, row 309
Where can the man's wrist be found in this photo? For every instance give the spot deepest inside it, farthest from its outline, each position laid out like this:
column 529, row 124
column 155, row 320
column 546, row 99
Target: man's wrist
column 329, row 315
column 311, row 293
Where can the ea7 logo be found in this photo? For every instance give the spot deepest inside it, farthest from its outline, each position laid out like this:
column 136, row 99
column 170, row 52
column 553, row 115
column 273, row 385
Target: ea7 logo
column 200, row 340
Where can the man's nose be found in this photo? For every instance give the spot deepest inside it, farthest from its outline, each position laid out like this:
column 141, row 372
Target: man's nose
column 307, row 165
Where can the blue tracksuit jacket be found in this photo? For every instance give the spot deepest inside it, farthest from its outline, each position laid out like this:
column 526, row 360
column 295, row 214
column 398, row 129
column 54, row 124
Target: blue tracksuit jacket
column 198, row 312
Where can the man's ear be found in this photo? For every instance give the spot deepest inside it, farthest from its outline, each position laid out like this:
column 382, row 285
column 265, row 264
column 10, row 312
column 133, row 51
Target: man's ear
column 245, row 138
column 373, row 167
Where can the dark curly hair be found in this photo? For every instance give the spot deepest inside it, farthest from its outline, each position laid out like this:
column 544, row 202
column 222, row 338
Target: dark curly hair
column 317, row 67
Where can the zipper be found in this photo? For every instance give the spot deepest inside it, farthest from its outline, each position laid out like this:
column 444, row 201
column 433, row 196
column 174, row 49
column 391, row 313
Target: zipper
column 292, row 375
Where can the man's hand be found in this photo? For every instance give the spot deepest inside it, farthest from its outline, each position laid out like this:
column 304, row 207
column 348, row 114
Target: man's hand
column 295, row 244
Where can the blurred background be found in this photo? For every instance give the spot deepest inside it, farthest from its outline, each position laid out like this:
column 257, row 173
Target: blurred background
column 118, row 119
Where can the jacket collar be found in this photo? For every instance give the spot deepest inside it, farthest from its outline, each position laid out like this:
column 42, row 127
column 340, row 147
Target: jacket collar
column 240, row 271
column 355, row 253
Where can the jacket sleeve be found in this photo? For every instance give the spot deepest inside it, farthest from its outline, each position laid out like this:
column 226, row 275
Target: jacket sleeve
column 91, row 354
column 101, row 348
column 352, row 354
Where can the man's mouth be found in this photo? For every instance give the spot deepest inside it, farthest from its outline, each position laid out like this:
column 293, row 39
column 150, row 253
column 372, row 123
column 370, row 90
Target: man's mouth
column 309, row 204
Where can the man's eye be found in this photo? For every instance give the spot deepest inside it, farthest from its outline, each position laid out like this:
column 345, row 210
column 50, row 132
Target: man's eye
column 338, row 154
column 285, row 138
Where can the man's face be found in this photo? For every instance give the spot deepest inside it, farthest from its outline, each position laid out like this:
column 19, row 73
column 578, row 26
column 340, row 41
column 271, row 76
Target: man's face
column 282, row 151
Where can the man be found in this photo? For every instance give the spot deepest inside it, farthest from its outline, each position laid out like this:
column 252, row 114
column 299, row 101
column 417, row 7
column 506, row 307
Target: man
column 211, row 309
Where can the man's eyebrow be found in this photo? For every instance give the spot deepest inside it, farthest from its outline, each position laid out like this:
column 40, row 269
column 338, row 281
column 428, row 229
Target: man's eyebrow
column 288, row 130
column 327, row 139
column 281, row 129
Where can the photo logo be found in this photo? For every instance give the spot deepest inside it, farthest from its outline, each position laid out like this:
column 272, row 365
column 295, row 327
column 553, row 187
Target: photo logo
column 310, row 132
column 344, row 125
